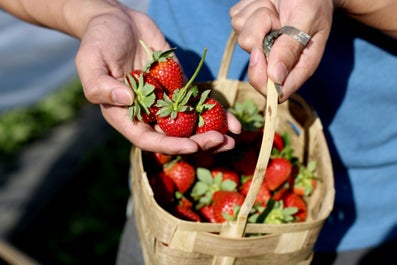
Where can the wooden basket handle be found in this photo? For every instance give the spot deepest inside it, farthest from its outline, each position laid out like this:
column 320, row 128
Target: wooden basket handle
column 227, row 56
column 237, row 229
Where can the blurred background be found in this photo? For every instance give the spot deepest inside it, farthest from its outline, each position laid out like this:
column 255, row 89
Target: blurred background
column 63, row 169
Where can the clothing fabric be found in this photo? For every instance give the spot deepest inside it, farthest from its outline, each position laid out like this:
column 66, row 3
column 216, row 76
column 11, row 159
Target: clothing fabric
column 352, row 92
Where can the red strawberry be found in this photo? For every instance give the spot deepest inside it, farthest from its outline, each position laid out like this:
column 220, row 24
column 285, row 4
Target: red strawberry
column 147, row 91
column 185, row 213
column 182, row 125
column 263, row 193
column 278, row 141
column 251, row 120
column 175, row 116
column 277, row 172
column 207, row 184
column 305, row 180
column 226, row 205
column 182, row 173
column 207, row 212
column 294, row 200
column 163, row 188
column 226, row 173
column 281, row 192
column 212, row 116
column 164, row 68
column 182, row 200
column 161, row 159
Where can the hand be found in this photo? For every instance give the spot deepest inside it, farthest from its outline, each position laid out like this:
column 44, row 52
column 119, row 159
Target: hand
column 289, row 63
column 109, row 48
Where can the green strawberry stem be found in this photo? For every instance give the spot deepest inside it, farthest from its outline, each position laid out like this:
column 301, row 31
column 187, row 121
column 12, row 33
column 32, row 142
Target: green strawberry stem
column 181, row 96
column 155, row 56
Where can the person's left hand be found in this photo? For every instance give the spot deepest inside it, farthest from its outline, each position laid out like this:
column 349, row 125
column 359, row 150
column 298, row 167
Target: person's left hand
column 289, row 63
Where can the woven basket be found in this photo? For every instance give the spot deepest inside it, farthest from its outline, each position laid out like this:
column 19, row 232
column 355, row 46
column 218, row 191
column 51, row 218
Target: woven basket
column 166, row 239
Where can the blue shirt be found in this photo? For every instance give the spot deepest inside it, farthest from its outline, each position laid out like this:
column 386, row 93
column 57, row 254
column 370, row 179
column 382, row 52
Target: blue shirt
column 352, row 90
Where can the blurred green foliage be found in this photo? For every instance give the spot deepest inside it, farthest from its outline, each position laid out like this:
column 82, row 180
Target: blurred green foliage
column 20, row 126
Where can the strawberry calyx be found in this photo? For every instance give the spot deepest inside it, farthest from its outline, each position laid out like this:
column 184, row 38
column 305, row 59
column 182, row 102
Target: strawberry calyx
column 206, row 185
column 274, row 213
column 306, row 178
column 144, row 96
column 248, row 114
column 180, row 98
column 155, row 56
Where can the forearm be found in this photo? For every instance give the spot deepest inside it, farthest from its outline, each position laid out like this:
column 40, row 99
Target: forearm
column 68, row 16
column 377, row 14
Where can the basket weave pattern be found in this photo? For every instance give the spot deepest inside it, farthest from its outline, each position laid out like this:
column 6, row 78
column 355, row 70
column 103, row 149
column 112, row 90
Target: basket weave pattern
column 166, row 239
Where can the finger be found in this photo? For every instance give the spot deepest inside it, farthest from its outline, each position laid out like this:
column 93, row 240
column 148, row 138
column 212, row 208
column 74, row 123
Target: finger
column 143, row 136
column 213, row 141
column 233, row 123
column 98, row 85
column 253, row 25
column 257, row 75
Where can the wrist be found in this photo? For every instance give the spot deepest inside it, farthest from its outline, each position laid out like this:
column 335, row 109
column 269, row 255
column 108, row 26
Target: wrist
column 77, row 15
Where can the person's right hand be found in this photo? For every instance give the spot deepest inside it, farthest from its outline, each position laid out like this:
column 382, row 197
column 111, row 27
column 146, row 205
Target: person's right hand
column 109, row 49
column 289, row 63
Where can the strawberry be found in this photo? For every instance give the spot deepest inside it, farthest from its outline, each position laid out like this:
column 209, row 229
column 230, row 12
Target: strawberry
column 207, row 212
column 207, row 184
column 212, row 116
column 274, row 213
column 305, row 181
column 164, row 68
column 226, row 205
column 263, row 193
column 163, row 188
column 281, row 192
column 175, row 116
column 161, row 159
column 182, row 173
column 185, row 213
column 180, row 125
column 277, row 172
column 183, row 200
column 278, row 142
column 251, row 120
column 147, row 91
column 294, row 200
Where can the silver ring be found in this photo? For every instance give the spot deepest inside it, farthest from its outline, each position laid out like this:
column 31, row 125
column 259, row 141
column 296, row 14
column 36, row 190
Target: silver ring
column 298, row 35
column 302, row 37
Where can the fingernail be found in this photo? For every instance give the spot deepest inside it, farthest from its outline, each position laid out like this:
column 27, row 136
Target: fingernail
column 280, row 73
column 254, row 56
column 121, row 97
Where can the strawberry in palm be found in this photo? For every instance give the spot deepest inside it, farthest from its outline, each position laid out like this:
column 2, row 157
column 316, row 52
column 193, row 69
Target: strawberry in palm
column 147, row 91
column 164, row 68
column 212, row 116
column 176, row 117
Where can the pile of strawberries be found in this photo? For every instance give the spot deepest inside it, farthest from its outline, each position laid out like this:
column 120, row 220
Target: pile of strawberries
column 163, row 97
column 206, row 187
